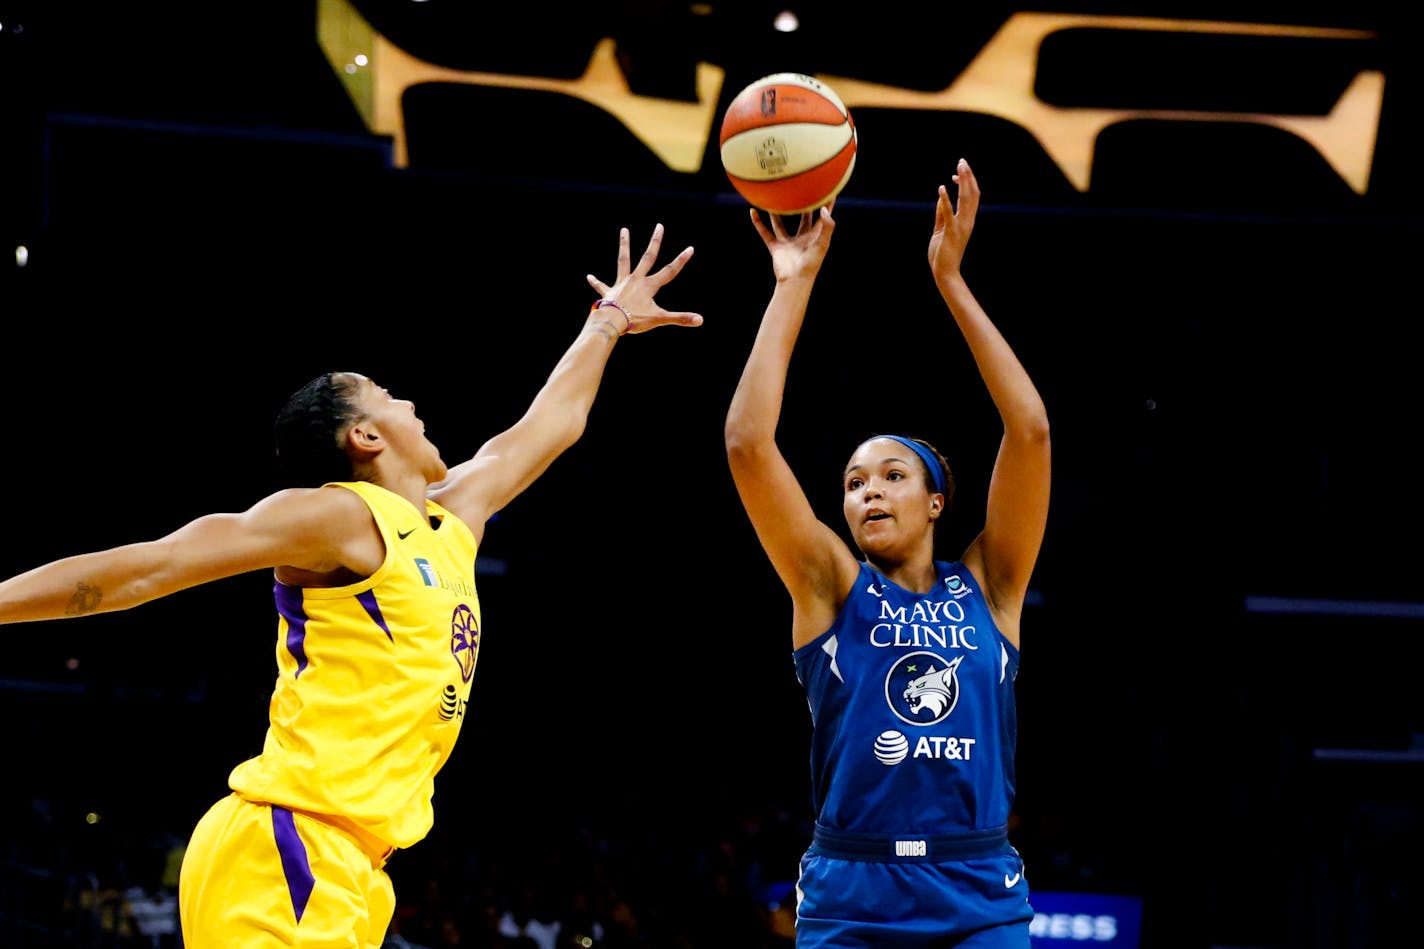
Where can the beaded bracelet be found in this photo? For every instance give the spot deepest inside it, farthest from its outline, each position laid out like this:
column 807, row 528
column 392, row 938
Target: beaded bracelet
column 628, row 320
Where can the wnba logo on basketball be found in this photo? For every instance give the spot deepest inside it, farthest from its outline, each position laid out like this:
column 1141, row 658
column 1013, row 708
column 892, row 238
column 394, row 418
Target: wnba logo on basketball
column 768, row 102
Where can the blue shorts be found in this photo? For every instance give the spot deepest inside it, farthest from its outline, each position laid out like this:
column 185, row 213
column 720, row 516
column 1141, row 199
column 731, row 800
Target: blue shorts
column 859, row 891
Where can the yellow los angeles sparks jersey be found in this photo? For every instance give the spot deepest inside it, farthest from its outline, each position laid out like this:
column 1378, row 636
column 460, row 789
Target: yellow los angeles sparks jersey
column 373, row 680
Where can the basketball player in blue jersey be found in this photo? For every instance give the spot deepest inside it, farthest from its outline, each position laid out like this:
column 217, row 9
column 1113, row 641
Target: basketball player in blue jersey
column 373, row 552
column 908, row 662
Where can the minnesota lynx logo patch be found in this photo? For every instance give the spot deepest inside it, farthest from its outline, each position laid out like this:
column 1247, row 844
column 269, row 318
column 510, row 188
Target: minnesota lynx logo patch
column 923, row 688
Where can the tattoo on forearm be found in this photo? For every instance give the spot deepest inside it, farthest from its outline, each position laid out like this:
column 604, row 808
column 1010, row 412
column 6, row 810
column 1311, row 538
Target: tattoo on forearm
column 604, row 328
column 86, row 599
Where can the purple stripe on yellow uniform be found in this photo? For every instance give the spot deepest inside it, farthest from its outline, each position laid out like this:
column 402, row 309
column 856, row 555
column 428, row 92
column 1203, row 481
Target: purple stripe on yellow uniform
column 289, row 607
column 373, row 609
column 293, row 853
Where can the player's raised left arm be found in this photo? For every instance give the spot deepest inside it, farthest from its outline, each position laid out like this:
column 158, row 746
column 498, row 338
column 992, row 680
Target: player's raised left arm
column 1017, row 508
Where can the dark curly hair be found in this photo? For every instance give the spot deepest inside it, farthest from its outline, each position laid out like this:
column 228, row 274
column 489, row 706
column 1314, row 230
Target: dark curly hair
column 309, row 430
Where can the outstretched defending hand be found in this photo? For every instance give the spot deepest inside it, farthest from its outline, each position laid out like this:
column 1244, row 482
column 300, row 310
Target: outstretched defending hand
column 634, row 287
column 951, row 227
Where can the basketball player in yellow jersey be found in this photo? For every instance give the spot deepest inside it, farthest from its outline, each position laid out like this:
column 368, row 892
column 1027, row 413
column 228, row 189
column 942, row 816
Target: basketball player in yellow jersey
column 373, row 552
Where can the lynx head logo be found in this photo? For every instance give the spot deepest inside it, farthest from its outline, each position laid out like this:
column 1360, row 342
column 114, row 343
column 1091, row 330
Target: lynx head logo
column 922, row 688
column 464, row 640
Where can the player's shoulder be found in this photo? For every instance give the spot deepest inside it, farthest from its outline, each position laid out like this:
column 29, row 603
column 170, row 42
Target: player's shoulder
column 327, row 531
column 327, row 506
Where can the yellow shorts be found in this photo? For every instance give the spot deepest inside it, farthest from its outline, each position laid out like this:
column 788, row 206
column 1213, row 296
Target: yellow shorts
column 260, row 876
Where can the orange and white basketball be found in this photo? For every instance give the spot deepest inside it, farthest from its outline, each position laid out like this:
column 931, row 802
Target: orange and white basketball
column 788, row 143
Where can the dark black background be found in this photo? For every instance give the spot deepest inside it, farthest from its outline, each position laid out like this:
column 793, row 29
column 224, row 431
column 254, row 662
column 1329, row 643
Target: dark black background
column 1223, row 332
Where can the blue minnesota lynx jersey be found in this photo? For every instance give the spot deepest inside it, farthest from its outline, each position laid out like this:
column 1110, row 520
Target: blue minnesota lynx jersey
column 912, row 702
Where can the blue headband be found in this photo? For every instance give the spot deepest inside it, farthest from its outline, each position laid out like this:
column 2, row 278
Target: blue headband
column 932, row 464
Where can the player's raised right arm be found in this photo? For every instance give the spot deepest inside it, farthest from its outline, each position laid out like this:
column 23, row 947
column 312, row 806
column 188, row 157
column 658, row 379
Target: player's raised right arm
column 807, row 555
